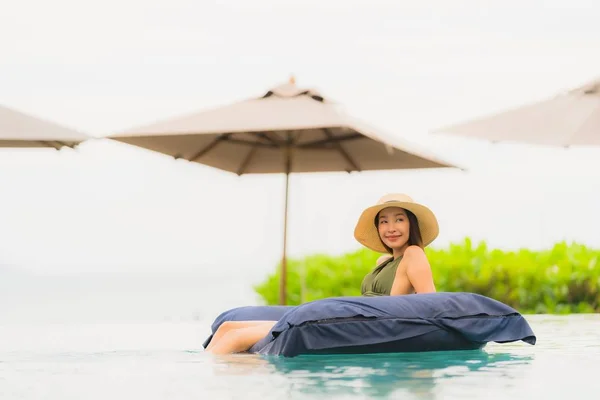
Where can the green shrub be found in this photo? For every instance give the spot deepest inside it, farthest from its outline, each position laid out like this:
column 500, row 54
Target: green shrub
column 564, row 279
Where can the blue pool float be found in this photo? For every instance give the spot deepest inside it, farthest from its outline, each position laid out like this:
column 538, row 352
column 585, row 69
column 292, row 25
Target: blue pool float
column 385, row 324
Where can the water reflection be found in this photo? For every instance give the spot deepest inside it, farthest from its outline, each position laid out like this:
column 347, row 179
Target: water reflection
column 240, row 364
column 387, row 375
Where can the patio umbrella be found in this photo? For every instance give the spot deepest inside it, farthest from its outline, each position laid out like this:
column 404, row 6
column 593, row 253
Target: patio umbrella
column 286, row 130
column 21, row 130
column 567, row 119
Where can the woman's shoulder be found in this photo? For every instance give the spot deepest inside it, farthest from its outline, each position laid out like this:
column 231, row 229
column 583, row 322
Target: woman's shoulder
column 413, row 250
column 383, row 259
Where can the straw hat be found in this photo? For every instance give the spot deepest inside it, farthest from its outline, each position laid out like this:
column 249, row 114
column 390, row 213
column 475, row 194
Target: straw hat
column 366, row 231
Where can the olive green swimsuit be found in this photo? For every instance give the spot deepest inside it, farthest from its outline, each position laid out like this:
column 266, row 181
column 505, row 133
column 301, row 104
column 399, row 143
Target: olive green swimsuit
column 379, row 281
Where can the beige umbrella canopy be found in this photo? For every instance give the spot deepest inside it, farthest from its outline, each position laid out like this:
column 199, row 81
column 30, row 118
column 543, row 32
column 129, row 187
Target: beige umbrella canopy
column 568, row 119
column 21, row 130
column 286, row 130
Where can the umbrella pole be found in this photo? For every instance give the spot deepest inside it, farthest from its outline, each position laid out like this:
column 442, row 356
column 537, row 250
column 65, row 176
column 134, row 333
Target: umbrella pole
column 283, row 275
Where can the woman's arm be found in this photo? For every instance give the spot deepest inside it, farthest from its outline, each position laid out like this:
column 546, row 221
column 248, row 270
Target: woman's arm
column 418, row 272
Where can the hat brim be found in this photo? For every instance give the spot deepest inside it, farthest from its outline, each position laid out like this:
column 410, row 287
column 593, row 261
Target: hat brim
column 367, row 234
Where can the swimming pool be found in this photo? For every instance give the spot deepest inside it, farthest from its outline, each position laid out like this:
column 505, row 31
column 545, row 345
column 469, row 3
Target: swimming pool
column 164, row 361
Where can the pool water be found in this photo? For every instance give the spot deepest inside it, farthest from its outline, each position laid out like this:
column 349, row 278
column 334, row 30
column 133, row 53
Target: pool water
column 164, row 360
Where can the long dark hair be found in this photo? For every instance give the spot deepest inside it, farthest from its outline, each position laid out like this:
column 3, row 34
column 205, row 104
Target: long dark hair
column 414, row 233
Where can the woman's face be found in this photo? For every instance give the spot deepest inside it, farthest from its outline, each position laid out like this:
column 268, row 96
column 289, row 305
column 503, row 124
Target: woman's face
column 393, row 227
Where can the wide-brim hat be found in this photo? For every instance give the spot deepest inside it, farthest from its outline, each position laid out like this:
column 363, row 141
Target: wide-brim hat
column 366, row 231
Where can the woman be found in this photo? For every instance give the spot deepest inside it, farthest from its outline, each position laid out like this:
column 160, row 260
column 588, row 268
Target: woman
column 399, row 226
column 396, row 225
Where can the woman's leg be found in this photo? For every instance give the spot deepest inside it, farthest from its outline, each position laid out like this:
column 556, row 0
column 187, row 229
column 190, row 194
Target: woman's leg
column 241, row 339
column 231, row 325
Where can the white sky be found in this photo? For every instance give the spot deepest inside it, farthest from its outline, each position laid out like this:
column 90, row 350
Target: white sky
column 406, row 67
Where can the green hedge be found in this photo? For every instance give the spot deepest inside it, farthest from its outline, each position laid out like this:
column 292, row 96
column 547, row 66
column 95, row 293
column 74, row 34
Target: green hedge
column 564, row 279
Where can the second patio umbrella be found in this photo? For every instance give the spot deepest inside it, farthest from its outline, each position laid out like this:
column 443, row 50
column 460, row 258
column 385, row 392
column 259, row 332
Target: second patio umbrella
column 568, row 119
